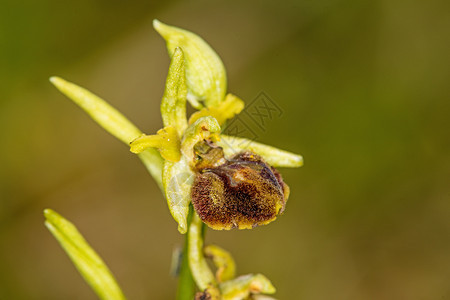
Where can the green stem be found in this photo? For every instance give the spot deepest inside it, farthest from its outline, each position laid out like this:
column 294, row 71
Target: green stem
column 186, row 284
column 201, row 272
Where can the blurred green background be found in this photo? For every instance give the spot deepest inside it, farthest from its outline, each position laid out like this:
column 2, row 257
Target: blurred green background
column 364, row 89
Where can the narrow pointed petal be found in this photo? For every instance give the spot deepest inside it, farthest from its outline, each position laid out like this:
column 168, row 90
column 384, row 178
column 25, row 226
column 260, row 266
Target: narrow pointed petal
column 173, row 104
column 101, row 112
column 166, row 141
column 243, row 286
column 111, row 120
column 273, row 156
column 225, row 110
column 205, row 72
column 87, row 261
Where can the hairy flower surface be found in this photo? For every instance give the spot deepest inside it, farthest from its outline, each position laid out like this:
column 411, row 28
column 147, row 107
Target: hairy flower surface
column 242, row 192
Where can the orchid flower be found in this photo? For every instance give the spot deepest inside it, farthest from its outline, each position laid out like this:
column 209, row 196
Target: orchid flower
column 201, row 172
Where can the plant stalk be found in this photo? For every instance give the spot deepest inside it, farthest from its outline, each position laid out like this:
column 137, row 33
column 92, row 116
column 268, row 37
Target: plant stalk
column 186, row 284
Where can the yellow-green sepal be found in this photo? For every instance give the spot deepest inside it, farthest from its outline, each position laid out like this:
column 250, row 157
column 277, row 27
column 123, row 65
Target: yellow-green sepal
column 111, row 120
column 177, row 181
column 205, row 72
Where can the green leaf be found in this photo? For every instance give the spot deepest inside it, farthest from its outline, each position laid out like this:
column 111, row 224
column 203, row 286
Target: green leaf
column 112, row 121
column 273, row 156
column 85, row 259
column 173, row 104
column 205, row 72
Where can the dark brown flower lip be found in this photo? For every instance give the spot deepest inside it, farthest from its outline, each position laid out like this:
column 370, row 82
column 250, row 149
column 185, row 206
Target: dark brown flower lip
column 240, row 192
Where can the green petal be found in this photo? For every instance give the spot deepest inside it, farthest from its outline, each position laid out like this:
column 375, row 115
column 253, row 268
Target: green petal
column 205, row 73
column 273, row 156
column 111, row 120
column 177, row 182
column 243, row 286
column 85, row 259
column 173, row 104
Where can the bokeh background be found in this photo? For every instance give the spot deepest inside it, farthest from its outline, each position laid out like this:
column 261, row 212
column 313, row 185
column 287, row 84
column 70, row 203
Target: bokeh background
column 364, row 89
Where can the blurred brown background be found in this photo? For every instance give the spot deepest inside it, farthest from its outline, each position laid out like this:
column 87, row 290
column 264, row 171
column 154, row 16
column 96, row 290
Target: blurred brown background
column 364, row 89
